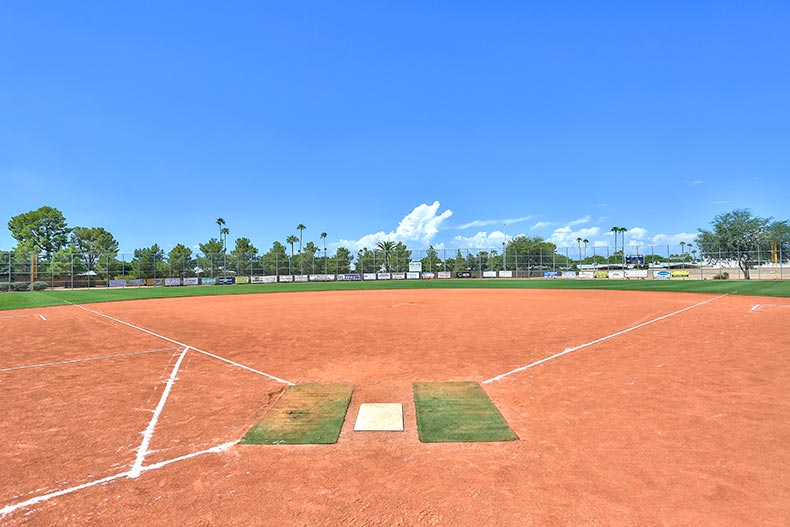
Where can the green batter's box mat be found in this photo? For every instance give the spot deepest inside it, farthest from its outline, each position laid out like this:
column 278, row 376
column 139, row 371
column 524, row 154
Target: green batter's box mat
column 306, row 414
column 458, row 412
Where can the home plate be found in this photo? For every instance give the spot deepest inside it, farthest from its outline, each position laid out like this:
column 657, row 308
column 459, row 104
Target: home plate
column 384, row 417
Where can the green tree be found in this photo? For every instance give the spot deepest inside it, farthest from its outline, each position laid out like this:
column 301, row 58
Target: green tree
column 149, row 262
column 275, row 259
column 180, row 261
column 323, row 238
column 530, row 252
column 341, row 262
column 431, row 259
column 43, row 230
column 220, row 223
column 94, row 244
column 243, row 255
column 211, row 252
column 292, row 240
column 740, row 236
column 386, row 246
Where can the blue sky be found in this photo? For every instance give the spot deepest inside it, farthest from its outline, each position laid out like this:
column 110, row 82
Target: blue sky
column 427, row 122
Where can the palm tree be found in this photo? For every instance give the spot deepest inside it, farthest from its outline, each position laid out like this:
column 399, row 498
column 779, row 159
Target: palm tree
column 323, row 237
column 616, row 231
column 579, row 243
column 585, row 242
column 220, row 222
column 386, row 246
column 682, row 248
column 301, row 227
column 224, row 239
column 291, row 240
column 623, row 230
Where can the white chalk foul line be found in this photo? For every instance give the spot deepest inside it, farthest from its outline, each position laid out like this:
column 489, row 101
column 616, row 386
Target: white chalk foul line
column 597, row 341
column 757, row 307
column 42, row 317
column 289, row 383
column 45, row 497
column 149, row 431
column 85, row 359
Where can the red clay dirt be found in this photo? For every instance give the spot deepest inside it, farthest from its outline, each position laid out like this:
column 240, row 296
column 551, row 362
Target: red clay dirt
column 681, row 422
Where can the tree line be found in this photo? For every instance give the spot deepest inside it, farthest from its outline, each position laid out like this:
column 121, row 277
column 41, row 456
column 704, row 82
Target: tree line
column 734, row 236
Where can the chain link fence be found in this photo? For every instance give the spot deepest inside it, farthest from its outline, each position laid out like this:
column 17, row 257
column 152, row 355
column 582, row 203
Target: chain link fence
column 22, row 271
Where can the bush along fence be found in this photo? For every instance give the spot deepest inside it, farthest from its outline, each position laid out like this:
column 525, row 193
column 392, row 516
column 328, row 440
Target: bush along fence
column 26, row 271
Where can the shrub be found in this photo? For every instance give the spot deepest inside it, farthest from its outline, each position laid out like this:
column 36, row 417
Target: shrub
column 722, row 276
column 19, row 286
column 5, row 286
column 40, row 286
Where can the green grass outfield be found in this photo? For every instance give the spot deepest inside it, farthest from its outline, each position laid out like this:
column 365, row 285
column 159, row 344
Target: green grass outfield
column 20, row 300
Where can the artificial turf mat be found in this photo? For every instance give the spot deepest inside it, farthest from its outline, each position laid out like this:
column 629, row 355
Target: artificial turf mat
column 458, row 412
column 305, row 414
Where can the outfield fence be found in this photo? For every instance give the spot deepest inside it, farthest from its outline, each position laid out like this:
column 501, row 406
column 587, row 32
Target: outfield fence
column 23, row 271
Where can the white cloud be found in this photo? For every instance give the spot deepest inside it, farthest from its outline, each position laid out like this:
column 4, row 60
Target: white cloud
column 696, row 182
column 580, row 221
column 481, row 240
column 566, row 236
column 541, row 225
column 485, row 223
column 637, row 233
column 420, row 225
column 673, row 239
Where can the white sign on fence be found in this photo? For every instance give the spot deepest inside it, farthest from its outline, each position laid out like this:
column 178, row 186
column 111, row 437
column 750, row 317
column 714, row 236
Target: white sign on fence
column 505, row 274
column 117, row 283
column 586, row 275
column 368, row 276
column 399, row 276
column 415, row 267
column 412, row 275
column 568, row 274
column 662, row 275
column 445, row 274
column 384, row 276
column 300, row 278
column 172, row 281
column 616, row 275
column 286, row 278
column 636, row 273
column 489, row 274
column 192, row 281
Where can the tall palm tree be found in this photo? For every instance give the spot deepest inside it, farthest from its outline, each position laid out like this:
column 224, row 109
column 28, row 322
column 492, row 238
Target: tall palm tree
column 301, row 227
column 224, row 232
column 387, row 246
column 323, row 238
column 585, row 242
column 616, row 231
column 292, row 240
column 220, row 222
column 682, row 248
column 579, row 243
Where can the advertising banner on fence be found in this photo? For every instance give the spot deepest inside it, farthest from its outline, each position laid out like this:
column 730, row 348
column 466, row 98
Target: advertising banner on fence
column 286, row 278
column 601, row 274
column 661, row 275
column 300, row 278
column 586, row 275
column 550, row 274
column 505, row 274
column 463, row 274
column 639, row 274
column 412, row 275
column 226, row 280
column 208, row 281
column 153, row 281
column 136, row 282
column 117, row 283
column 368, row 276
column 384, row 276
column 192, row 281
column 680, row 274
column 321, row 277
column 172, row 281
column 350, row 277
column 616, row 275
column 264, row 279
column 242, row 279
column 428, row 275
column 445, row 274
column 489, row 274
column 399, row 276
column 415, row 267
column 568, row 274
